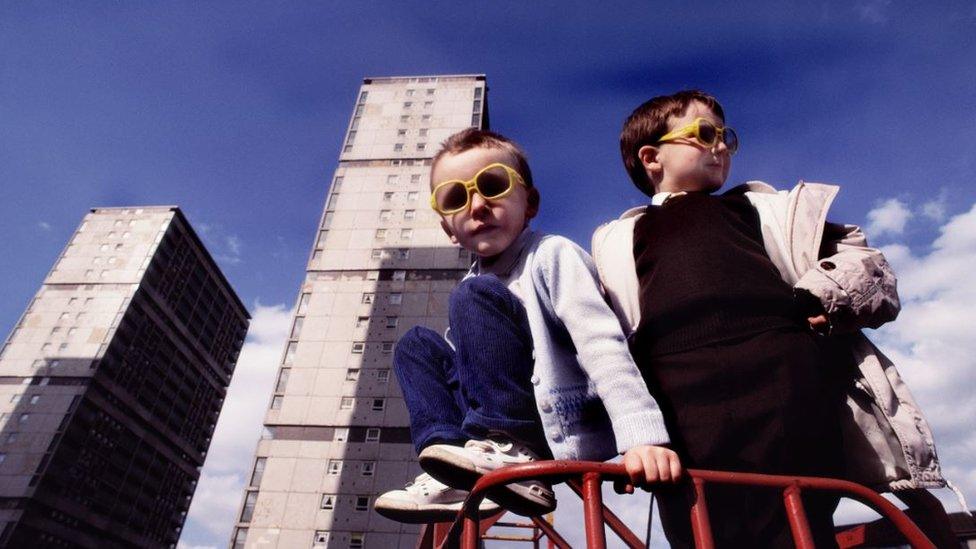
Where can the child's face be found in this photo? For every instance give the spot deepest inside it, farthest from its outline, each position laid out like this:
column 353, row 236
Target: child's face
column 486, row 227
column 686, row 164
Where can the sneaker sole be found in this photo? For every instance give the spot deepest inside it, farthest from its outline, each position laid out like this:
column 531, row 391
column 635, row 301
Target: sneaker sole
column 457, row 472
column 428, row 513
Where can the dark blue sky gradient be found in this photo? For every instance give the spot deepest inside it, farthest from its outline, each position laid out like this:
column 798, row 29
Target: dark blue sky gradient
column 235, row 111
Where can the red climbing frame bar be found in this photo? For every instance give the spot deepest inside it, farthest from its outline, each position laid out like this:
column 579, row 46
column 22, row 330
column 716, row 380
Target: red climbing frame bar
column 585, row 478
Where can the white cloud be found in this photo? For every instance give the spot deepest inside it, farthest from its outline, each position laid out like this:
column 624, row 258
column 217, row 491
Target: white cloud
column 936, row 208
column 234, row 244
column 219, row 490
column 889, row 217
column 44, row 225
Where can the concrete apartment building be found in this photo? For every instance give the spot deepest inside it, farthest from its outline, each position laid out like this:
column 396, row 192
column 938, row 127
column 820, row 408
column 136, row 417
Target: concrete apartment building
column 336, row 430
column 111, row 384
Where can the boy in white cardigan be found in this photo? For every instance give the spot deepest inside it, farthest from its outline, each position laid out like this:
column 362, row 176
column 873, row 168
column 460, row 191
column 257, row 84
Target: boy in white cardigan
column 537, row 364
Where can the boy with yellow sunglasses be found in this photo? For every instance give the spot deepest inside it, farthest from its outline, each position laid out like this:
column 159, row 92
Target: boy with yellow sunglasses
column 744, row 313
column 535, row 364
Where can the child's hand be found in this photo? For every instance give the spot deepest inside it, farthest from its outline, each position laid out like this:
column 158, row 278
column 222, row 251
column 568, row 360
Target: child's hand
column 649, row 464
column 819, row 323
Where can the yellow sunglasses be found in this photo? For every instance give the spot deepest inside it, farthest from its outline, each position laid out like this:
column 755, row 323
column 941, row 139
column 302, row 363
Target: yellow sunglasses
column 706, row 133
column 493, row 182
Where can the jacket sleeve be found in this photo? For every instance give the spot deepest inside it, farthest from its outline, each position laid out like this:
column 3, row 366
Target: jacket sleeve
column 572, row 289
column 854, row 283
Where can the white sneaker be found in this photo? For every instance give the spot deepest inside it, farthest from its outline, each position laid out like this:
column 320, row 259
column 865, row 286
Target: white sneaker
column 426, row 500
column 462, row 467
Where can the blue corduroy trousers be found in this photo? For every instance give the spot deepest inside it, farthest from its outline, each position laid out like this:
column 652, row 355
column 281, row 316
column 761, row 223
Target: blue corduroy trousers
column 479, row 385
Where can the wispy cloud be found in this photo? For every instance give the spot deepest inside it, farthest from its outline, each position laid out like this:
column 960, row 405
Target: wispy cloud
column 936, row 208
column 219, row 490
column 873, row 11
column 44, row 225
column 889, row 217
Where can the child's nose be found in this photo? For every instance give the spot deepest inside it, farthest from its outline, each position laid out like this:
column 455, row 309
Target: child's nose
column 478, row 202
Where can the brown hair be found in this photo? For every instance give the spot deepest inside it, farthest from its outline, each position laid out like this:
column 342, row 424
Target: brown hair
column 649, row 122
column 473, row 138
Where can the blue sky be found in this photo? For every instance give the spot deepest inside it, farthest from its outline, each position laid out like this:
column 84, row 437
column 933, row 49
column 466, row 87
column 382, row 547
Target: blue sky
column 235, row 111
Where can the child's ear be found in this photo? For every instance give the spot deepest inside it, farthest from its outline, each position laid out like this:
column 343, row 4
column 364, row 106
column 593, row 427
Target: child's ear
column 648, row 158
column 448, row 232
column 533, row 199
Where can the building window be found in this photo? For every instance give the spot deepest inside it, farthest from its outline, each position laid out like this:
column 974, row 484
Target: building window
column 34, row 399
column 430, row 91
column 296, row 328
column 249, row 502
column 399, row 275
column 357, row 540
column 352, row 374
column 409, row 214
column 276, row 402
column 380, row 234
column 415, row 178
column 362, row 503
column 282, row 380
column 358, row 347
column 321, row 539
column 335, row 466
column 24, row 418
column 376, row 253
column 425, row 118
column 391, row 321
column 407, row 104
column 406, row 234
column 423, row 132
column 396, row 298
column 403, row 253
column 428, row 104
column 398, row 147
column 388, row 196
column 290, row 352
column 341, row 434
column 421, row 146
column 367, row 468
column 328, row 500
column 383, row 376
column 401, row 133
column 385, row 215
column 240, row 538
column 303, row 303
column 409, row 93
column 258, row 474
column 477, row 93
column 379, row 404
column 362, row 321
column 373, row 434
column 404, row 118
column 368, row 297
column 387, row 346
column 345, row 403
column 362, row 96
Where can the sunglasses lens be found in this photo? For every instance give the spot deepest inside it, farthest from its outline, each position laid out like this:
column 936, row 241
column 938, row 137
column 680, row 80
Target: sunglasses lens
column 731, row 140
column 707, row 133
column 451, row 197
column 493, row 182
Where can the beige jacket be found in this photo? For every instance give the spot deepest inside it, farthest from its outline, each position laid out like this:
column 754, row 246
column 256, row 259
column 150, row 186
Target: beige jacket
column 887, row 443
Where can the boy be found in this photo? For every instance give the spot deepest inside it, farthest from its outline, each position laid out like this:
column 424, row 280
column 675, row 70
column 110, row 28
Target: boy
column 722, row 297
column 528, row 327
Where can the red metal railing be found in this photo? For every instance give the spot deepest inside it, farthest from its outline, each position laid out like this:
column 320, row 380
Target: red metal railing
column 585, row 479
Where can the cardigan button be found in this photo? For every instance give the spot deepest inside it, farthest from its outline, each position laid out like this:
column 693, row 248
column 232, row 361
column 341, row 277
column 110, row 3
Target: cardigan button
column 827, row 265
column 557, row 437
column 546, row 406
column 534, row 380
